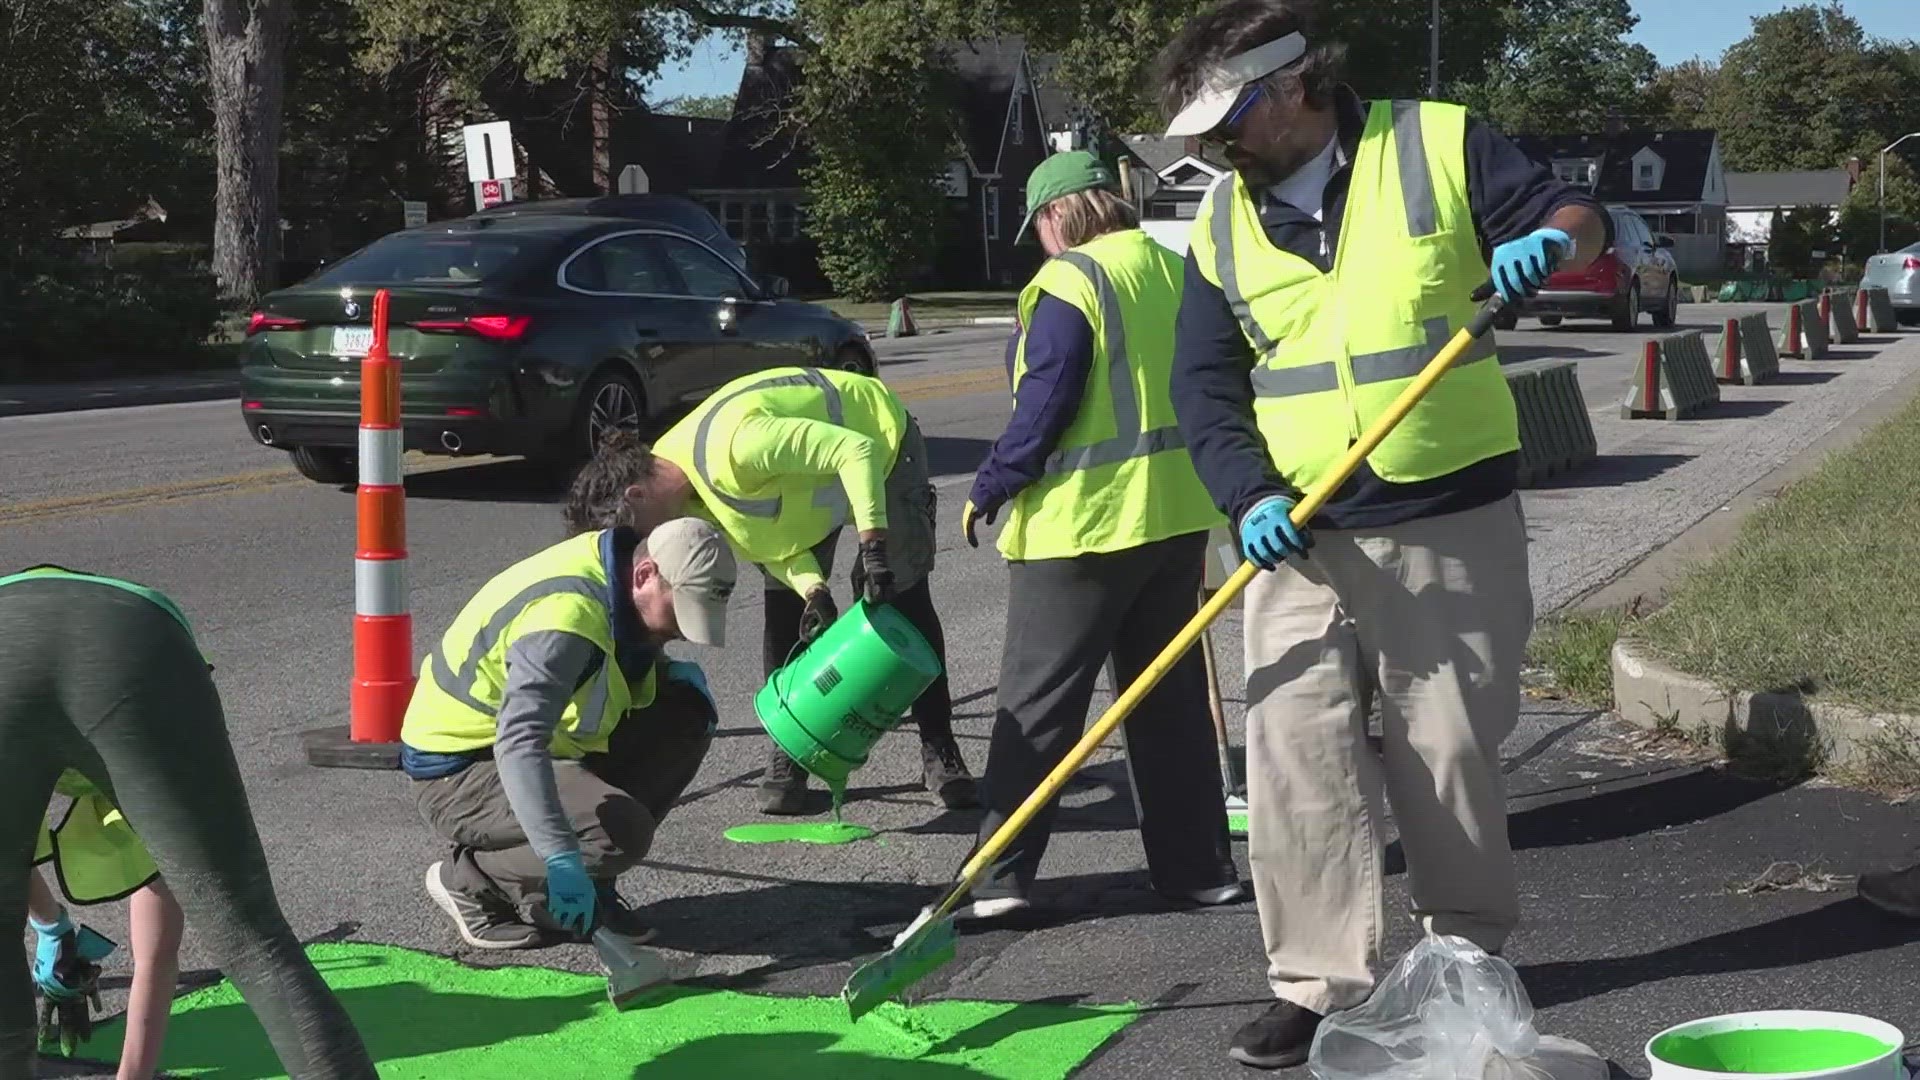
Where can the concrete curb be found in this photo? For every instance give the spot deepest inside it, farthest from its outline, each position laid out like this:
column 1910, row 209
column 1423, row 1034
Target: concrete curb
column 1652, row 695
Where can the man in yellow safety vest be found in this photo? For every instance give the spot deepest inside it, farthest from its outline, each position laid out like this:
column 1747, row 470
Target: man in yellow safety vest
column 549, row 736
column 1324, row 271
column 779, row 460
column 1105, row 540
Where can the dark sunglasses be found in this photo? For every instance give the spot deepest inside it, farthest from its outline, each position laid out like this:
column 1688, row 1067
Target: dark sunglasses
column 1227, row 132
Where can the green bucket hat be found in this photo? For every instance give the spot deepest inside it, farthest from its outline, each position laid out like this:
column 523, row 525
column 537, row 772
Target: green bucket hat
column 1061, row 175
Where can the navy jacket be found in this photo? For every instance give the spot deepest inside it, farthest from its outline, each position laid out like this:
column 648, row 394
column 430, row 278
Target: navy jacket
column 1510, row 195
column 1059, row 359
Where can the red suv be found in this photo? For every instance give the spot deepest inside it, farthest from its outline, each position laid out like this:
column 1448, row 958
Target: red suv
column 1637, row 274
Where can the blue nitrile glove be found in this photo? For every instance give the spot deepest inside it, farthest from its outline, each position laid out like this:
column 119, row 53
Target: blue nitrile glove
column 570, row 892
column 1268, row 535
column 688, row 672
column 1520, row 267
column 46, row 956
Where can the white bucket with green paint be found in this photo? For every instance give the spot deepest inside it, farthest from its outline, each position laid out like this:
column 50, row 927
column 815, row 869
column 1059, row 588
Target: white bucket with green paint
column 1781, row 1044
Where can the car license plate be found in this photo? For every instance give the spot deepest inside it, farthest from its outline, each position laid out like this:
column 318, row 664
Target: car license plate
column 352, row 341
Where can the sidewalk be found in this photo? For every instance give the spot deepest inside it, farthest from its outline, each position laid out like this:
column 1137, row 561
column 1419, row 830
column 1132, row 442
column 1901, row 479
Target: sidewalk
column 31, row 399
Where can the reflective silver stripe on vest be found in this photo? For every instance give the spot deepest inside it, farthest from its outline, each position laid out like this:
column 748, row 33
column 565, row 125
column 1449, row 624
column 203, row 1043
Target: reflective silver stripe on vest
column 830, row 497
column 1220, row 228
column 1386, row 366
column 455, row 681
column 1128, row 441
column 1416, row 180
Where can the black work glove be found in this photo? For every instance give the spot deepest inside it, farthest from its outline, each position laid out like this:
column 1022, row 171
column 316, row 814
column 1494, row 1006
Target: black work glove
column 820, row 613
column 872, row 574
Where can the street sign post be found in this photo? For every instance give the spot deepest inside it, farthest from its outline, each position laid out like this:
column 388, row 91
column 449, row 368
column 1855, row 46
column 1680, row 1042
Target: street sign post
column 414, row 213
column 490, row 162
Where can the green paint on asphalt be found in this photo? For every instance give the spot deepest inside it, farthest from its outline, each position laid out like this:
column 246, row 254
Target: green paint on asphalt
column 426, row 1017
column 1237, row 824
column 806, row 832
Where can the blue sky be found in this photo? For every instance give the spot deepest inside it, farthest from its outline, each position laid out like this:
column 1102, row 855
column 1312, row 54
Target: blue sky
column 1675, row 30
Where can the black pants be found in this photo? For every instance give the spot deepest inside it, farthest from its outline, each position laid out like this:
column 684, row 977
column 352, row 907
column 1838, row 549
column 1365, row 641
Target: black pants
column 99, row 680
column 933, row 710
column 1065, row 618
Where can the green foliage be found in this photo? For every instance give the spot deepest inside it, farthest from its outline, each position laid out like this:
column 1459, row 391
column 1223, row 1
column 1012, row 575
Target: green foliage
column 1680, row 97
column 1860, row 214
column 707, row 106
column 1797, row 234
column 1801, row 90
column 1565, row 67
column 60, row 317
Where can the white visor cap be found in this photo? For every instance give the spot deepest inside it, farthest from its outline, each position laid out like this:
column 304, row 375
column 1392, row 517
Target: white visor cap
column 1221, row 86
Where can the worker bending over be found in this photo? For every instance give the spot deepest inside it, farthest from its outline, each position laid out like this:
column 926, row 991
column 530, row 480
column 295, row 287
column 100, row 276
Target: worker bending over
column 1325, row 271
column 548, row 735
column 778, row 460
column 104, row 693
column 1105, row 541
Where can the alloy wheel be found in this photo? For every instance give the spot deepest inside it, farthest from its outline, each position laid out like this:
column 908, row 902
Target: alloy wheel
column 613, row 408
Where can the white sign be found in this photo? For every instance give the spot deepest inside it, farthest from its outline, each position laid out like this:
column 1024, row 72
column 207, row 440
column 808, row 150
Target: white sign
column 415, row 212
column 489, row 151
column 633, row 181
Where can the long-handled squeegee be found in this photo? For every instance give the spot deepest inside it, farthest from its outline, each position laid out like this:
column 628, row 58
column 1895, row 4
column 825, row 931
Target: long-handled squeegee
column 930, row 941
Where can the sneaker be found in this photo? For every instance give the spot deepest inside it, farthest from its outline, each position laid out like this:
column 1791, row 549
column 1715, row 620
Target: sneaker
column 975, row 911
column 944, row 772
column 1896, row 892
column 616, row 916
column 480, row 924
column 1231, row 893
column 1279, row 1038
column 783, row 787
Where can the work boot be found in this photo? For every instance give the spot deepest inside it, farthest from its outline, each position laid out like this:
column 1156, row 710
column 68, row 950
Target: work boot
column 1278, row 1038
column 944, row 773
column 482, row 922
column 616, row 916
column 1896, row 892
column 783, row 787
column 1235, row 892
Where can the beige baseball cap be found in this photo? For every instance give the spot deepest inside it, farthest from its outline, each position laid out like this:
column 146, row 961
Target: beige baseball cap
column 698, row 564
column 1221, row 85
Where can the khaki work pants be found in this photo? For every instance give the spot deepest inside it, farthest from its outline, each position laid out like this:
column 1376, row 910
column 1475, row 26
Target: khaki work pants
column 1432, row 616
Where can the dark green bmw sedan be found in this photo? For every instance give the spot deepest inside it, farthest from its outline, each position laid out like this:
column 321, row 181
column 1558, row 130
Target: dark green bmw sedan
column 528, row 330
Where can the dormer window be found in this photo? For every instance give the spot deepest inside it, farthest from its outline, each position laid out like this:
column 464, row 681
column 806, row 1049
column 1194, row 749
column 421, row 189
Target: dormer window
column 1649, row 170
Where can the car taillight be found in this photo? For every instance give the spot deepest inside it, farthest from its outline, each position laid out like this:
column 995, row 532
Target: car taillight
column 494, row 327
column 260, row 321
column 1910, row 263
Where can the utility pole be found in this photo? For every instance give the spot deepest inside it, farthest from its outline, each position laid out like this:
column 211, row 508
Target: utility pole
column 1883, row 183
column 1433, row 54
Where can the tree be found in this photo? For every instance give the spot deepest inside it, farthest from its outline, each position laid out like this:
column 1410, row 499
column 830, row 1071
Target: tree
column 707, row 106
column 1566, row 67
column 1860, row 213
column 1802, row 89
column 1681, row 96
column 246, row 51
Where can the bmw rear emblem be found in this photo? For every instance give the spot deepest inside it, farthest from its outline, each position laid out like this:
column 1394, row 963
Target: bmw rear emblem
column 350, row 307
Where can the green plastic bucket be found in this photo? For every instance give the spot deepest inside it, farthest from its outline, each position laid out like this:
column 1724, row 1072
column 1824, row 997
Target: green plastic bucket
column 1781, row 1043
column 829, row 705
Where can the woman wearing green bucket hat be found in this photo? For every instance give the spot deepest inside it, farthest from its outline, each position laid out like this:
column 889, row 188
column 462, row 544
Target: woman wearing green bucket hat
column 1105, row 540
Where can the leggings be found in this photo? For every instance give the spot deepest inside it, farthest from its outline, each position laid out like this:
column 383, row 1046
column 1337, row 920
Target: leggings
column 99, row 680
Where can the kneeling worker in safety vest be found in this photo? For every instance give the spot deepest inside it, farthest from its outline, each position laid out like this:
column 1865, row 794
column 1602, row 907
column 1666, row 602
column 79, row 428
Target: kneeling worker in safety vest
column 106, row 698
column 779, row 460
column 1324, row 272
column 548, row 735
column 1105, row 540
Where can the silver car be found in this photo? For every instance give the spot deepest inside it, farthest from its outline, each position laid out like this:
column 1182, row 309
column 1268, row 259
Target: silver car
column 1898, row 272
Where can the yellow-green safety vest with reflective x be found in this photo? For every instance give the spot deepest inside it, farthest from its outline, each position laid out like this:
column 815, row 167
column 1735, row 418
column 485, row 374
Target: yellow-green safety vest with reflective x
column 457, row 700
column 1120, row 475
column 96, row 855
column 771, row 520
column 1334, row 350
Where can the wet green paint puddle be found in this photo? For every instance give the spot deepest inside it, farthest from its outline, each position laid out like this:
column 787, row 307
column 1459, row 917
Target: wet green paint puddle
column 1769, row 1050
column 805, row 832
column 425, row 1017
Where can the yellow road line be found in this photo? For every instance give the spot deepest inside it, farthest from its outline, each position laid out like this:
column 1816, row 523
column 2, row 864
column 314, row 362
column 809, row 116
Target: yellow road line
column 918, row 389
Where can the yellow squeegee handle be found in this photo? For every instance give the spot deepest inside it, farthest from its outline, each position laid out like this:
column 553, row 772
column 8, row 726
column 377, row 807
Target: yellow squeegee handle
column 1124, row 705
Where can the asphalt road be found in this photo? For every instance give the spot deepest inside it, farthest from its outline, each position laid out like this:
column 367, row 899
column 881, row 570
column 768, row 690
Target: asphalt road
column 1633, row 859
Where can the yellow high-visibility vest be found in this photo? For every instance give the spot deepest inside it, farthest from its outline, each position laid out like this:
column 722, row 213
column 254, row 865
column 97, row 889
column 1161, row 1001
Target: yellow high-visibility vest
column 772, row 519
column 1120, row 476
column 462, row 683
column 1334, row 350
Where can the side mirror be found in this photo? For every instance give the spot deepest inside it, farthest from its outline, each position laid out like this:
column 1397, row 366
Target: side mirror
column 775, row 286
column 1665, row 242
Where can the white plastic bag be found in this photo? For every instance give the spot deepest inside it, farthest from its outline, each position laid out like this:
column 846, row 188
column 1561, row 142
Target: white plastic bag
column 1447, row 1011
